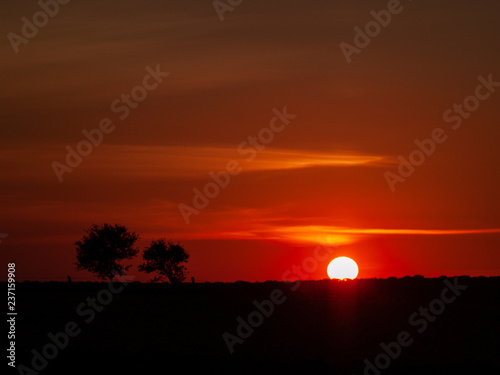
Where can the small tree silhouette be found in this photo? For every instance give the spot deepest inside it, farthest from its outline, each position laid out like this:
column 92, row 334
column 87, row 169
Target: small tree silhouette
column 167, row 259
column 103, row 247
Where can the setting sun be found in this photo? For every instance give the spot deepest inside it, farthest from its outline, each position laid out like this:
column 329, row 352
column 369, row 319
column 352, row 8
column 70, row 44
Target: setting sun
column 342, row 268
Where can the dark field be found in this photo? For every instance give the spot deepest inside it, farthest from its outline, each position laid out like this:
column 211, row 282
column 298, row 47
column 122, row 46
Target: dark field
column 323, row 327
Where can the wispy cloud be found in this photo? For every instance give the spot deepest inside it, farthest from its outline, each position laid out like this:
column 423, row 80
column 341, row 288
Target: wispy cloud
column 189, row 161
column 332, row 234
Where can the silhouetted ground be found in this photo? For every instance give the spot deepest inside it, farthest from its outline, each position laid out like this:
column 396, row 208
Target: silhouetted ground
column 324, row 327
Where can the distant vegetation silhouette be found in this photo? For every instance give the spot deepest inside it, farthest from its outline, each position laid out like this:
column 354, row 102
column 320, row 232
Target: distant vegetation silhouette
column 167, row 259
column 104, row 247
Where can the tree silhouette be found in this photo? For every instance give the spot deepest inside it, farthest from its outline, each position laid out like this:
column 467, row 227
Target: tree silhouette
column 166, row 258
column 103, row 247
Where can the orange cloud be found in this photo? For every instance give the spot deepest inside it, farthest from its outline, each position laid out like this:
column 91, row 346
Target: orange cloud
column 332, row 235
column 189, row 161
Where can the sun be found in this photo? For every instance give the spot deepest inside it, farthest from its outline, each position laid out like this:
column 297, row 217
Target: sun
column 342, row 268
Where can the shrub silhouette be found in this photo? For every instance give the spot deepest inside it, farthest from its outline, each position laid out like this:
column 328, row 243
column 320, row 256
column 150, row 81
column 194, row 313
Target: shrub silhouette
column 166, row 258
column 103, row 247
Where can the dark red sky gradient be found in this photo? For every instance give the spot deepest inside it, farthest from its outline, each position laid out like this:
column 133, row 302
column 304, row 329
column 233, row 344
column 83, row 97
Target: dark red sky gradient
column 321, row 179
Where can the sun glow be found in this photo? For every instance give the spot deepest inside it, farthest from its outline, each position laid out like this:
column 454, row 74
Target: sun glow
column 342, row 268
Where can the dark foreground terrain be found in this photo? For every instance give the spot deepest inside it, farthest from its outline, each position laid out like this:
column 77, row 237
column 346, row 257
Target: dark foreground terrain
column 322, row 327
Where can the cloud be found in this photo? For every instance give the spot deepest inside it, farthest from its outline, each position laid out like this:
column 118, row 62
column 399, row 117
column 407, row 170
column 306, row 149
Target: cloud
column 333, row 235
column 194, row 161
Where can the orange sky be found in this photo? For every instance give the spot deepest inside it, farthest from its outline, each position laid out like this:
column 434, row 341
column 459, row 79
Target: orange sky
column 320, row 179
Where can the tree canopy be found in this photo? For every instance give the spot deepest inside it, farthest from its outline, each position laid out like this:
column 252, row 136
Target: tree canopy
column 103, row 247
column 167, row 259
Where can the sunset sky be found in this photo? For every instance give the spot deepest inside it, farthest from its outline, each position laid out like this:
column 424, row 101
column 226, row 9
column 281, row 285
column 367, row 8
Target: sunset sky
column 319, row 180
